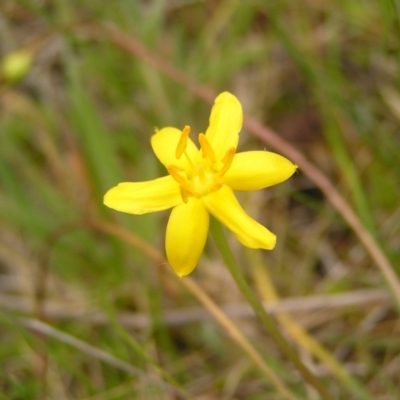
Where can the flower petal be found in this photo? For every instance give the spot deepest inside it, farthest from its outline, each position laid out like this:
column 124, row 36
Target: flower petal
column 225, row 124
column 164, row 143
column 254, row 170
column 144, row 197
column 186, row 235
column 224, row 206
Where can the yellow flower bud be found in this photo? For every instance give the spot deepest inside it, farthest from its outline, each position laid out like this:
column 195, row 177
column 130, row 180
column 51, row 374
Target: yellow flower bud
column 15, row 66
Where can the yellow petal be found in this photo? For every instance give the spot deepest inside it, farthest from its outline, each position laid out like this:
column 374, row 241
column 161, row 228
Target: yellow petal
column 186, row 235
column 144, row 197
column 224, row 206
column 253, row 170
column 225, row 124
column 165, row 142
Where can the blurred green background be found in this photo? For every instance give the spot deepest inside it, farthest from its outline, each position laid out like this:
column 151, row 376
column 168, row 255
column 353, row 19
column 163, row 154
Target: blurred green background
column 77, row 111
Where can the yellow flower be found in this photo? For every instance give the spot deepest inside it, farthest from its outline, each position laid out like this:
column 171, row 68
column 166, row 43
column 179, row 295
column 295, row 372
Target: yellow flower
column 201, row 182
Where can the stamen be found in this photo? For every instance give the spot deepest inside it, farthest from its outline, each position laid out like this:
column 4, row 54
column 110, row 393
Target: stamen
column 187, row 190
column 175, row 173
column 186, row 186
column 227, row 160
column 196, row 194
column 184, row 195
column 206, row 148
column 181, row 147
column 215, row 186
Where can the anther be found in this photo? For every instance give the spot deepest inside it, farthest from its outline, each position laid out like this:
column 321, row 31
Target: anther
column 181, row 147
column 187, row 191
column 206, row 148
column 227, row 161
column 184, row 195
column 175, row 173
column 215, row 186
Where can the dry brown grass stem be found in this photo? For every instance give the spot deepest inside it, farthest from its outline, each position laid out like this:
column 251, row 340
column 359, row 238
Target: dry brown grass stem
column 61, row 310
column 235, row 334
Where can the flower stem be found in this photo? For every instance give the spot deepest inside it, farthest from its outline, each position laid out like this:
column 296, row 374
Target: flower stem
column 268, row 322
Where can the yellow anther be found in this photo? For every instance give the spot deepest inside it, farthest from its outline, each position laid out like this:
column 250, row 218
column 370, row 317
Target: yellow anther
column 186, row 186
column 184, row 195
column 227, row 161
column 180, row 149
column 196, row 194
column 187, row 190
column 175, row 173
column 215, row 186
column 206, row 148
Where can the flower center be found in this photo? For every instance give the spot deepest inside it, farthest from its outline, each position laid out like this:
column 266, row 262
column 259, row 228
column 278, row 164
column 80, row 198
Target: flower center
column 204, row 173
